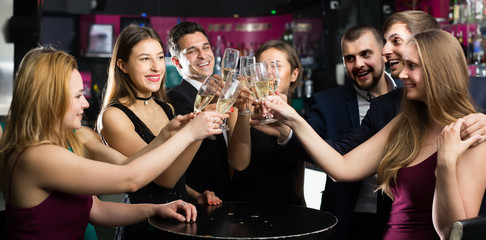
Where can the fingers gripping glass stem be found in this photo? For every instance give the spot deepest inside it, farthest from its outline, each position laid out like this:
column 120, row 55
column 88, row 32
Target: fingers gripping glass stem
column 245, row 62
column 205, row 94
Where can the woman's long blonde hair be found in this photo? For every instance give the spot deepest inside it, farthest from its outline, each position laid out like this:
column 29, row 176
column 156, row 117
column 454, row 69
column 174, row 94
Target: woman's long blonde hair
column 41, row 98
column 445, row 75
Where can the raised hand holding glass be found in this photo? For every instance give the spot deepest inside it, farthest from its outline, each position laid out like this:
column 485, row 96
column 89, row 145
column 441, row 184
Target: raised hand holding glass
column 206, row 93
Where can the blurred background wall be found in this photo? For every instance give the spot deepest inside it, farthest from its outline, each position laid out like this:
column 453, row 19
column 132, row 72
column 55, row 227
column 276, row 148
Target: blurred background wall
column 6, row 57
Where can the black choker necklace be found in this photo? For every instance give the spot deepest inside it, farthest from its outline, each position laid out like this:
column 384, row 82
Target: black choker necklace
column 143, row 99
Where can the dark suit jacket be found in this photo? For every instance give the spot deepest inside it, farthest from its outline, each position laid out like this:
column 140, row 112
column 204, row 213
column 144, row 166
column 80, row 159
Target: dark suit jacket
column 384, row 108
column 477, row 88
column 333, row 113
column 209, row 169
column 340, row 198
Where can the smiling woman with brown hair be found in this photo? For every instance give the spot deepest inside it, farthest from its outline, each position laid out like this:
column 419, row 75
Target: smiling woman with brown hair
column 135, row 108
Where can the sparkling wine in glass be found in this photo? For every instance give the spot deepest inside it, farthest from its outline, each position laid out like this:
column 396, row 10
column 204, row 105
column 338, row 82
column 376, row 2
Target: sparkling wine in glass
column 251, row 84
column 229, row 63
column 246, row 61
column 263, row 85
column 206, row 93
column 263, row 88
column 227, row 98
column 228, row 66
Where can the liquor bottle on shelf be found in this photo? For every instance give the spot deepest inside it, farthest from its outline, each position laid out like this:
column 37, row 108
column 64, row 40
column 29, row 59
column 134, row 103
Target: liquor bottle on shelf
column 451, row 11
column 478, row 53
column 456, row 12
column 251, row 49
column 288, row 35
column 240, row 49
column 464, row 14
column 243, row 50
column 460, row 37
column 470, row 47
column 478, row 10
column 218, row 53
column 308, row 84
column 298, row 46
column 469, row 11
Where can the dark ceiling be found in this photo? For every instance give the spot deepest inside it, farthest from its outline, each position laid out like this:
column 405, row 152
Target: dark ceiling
column 186, row 8
column 207, row 8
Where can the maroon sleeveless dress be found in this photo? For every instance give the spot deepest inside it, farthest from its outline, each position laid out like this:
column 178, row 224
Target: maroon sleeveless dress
column 59, row 216
column 411, row 213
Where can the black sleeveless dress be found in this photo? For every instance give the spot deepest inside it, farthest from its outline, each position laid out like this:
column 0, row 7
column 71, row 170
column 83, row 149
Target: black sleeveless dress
column 152, row 193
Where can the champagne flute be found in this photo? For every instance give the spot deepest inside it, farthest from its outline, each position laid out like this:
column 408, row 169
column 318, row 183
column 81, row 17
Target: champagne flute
column 227, row 98
column 263, row 84
column 229, row 63
column 205, row 94
column 244, row 62
column 228, row 66
column 251, row 84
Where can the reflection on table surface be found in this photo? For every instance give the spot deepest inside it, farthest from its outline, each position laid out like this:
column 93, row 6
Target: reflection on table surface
column 243, row 220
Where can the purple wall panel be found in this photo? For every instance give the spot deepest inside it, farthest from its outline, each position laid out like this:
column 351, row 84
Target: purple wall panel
column 436, row 8
column 236, row 36
column 231, row 29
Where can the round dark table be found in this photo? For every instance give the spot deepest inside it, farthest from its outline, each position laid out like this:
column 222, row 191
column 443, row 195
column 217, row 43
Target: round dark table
column 244, row 220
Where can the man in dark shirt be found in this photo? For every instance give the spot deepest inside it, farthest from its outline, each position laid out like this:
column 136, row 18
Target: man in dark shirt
column 335, row 111
column 192, row 55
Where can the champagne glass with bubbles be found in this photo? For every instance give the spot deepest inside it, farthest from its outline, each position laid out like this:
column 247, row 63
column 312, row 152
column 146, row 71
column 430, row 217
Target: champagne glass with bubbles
column 229, row 63
column 228, row 66
column 251, row 84
column 206, row 93
column 227, row 97
column 246, row 61
column 263, row 85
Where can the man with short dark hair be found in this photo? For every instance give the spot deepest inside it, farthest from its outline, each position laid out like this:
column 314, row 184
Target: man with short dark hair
column 191, row 51
column 337, row 110
column 192, row 55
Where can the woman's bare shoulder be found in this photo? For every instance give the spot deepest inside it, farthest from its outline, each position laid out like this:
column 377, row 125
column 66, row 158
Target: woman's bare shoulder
column 115, row 118
column 41, row 151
